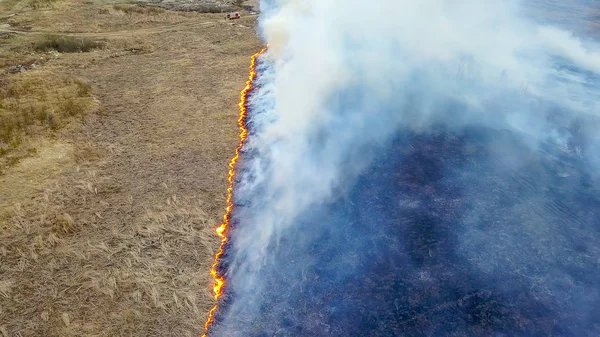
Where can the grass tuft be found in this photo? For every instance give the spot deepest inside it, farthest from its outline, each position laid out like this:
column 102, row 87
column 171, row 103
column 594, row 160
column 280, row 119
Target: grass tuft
column 213, row 8
column 67, row 44
column 138, row 9
column 64, row 224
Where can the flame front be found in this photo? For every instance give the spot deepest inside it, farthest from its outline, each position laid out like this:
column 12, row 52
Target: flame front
column 221, row 230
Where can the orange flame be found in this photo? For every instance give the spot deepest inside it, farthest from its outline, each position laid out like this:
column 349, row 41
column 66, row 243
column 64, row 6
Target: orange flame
column 218, row 279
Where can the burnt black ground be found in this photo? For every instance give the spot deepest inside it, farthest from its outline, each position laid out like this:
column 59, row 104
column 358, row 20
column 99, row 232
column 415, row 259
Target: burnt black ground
column 468, row 231
column 442, row 236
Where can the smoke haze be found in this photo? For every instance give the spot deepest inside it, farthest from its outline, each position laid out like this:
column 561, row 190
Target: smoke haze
column 417, row 168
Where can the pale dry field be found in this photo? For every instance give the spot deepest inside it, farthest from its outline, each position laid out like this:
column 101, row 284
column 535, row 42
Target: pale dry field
column 107, row 216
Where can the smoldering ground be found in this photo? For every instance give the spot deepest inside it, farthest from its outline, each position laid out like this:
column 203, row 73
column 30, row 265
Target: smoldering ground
column 416, row 168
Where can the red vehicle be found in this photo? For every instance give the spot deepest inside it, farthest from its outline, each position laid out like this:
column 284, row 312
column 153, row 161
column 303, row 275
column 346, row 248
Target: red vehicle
column 232, row 16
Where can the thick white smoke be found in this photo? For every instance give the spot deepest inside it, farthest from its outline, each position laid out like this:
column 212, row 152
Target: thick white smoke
column 345, row 75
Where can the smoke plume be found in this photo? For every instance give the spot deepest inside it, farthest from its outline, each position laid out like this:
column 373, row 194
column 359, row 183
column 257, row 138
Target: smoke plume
column 417, row 168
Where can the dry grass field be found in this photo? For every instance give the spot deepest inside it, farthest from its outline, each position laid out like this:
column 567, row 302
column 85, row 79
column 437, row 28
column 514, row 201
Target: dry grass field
column 114, row 145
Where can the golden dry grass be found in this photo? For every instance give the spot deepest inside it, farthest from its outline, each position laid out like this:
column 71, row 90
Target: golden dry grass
column 107, row 230
column 36, row 103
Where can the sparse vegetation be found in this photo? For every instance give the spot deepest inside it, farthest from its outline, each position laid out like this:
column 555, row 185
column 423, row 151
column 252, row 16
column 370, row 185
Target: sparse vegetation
column 16, row 51
column 35, row 104
column 10, row 59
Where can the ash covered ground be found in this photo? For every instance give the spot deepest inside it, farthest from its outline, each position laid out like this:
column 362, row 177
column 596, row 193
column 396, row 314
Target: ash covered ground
column 463, row 227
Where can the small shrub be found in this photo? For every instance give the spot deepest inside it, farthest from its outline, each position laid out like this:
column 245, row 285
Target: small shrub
column 67, row 44
column 72, row 107
column 63, row 224
column 103, row 11
column 154, row 10
column 212, row 8
column 52, row 121
column 13, row 161
column 122, row 8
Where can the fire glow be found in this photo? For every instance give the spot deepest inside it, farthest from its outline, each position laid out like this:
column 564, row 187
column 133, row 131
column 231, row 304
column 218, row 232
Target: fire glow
column 219, row 280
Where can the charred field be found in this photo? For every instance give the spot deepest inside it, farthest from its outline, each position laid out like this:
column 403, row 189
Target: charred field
column 455, row 248
column 456, row 230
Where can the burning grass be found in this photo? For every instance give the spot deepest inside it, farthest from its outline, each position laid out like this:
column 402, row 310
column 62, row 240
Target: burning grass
column 222, row 229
